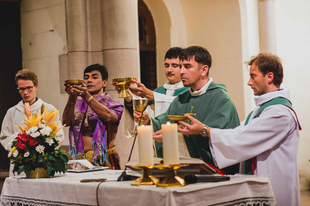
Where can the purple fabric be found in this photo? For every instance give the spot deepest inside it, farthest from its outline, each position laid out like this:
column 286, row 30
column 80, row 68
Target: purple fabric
column 100, row 132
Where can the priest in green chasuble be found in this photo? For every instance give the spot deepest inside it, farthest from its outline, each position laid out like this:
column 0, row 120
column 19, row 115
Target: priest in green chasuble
column 206, row 101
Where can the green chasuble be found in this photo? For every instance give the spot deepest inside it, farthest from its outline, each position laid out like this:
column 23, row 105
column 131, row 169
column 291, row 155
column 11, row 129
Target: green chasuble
column 213, row 108
column 162, row 90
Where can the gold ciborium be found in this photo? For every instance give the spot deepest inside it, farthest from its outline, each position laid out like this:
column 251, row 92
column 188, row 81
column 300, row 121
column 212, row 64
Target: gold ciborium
column 122, row 82
column 139, row 105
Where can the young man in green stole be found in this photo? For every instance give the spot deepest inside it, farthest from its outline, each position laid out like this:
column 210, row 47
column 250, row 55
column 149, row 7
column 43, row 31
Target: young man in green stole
column 207, row 101
column 267, row 141
column 161, row 96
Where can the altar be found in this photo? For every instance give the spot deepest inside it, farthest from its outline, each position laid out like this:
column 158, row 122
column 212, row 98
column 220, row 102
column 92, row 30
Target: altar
column 68, row 190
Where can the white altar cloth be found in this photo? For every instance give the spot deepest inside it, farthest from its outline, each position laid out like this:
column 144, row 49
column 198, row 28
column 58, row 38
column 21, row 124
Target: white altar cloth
column 68, row 190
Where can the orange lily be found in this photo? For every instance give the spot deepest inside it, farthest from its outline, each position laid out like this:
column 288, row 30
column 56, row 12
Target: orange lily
column 21, row 128
column 55, row 127
column 50, row 116
column 27, row 109
column 33, row 120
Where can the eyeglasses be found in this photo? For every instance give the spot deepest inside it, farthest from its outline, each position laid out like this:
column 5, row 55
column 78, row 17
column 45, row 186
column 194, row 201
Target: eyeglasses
column 28, row 89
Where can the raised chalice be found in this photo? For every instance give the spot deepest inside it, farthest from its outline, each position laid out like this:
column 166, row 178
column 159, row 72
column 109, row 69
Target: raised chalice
column 74, row 81
column 122, row 82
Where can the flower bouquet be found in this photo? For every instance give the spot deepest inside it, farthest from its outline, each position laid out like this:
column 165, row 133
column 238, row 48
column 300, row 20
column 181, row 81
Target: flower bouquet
column 36, row 145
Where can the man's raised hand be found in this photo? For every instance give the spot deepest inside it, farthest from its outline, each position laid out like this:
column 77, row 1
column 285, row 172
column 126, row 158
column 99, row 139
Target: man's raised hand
column 195, row 127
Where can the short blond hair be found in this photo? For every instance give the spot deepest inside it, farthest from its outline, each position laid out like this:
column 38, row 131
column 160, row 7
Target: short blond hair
column 25, row 74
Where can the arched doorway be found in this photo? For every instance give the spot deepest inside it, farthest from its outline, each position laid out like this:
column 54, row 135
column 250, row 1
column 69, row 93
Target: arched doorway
column 147, row 42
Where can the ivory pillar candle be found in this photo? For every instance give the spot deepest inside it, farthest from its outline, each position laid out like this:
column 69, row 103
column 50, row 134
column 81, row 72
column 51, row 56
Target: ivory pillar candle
column 145, row 145
column 170, row 143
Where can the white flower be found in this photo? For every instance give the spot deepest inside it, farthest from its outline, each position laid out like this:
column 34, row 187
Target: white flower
column 10, row 154
column 26, row 154
column 32, row 129
column 46, row 130
column 15, row 153
column 35, row 134
column 40, row 148
column 41, row 126
column 50, row 141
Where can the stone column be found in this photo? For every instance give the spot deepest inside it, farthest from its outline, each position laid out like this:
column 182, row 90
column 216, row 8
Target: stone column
column 94, row 31
column 121, row 57
column 267, row 26
column 120, row 38
column 77, row 38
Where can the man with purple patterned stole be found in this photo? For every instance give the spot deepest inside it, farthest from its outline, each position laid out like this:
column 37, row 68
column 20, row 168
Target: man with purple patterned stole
column 93, row 119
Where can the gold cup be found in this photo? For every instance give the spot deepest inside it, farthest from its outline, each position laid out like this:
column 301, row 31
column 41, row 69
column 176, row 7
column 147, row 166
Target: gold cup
column 139, row 105
column 122, row 82
column 74, row 81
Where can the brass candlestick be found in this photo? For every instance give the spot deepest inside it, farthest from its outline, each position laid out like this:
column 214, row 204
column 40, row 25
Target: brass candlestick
column 171, row 180
column 146, row 178
column 122, row 82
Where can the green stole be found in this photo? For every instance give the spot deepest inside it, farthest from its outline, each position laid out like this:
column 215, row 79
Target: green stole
column 249, row 164
column 162, row 90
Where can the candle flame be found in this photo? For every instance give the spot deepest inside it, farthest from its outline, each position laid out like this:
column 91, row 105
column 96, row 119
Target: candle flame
column 168, row 123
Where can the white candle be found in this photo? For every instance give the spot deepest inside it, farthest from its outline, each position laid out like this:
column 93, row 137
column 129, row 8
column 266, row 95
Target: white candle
column 170, row 143
column 145, row 145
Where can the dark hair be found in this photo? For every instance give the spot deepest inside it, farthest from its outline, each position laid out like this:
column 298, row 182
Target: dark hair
column 101, row 68
column 268, row 62
column 25, row 74
column 173, row 53
column 202, row 55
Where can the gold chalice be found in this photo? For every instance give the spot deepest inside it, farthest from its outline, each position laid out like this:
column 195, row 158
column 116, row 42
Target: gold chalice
column 139, row 105
column 122, row 82
column 74, row 81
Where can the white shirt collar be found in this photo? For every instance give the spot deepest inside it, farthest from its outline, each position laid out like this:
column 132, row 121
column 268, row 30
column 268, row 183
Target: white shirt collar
column 202, row 90
column 259, row 100
column 176, row 86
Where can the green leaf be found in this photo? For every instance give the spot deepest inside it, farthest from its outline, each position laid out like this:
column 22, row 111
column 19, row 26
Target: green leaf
column 51, row 171
column 20, row 169
column 64, row 158
column 27, row 168
column 51, row 157
column 63, row 151
column 41, row 159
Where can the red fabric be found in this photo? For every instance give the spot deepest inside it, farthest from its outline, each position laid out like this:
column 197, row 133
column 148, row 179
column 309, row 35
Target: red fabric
column 218, row 170
column 253, row 161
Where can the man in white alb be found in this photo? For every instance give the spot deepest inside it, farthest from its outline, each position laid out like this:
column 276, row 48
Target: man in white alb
column 27, row 86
